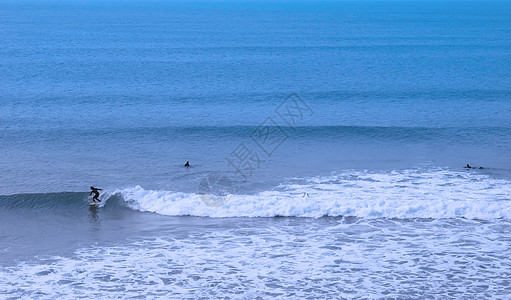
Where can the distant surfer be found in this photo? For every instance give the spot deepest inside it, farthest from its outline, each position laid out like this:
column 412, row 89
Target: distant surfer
column 470, row 167
column 187, row 163
column 94, row 191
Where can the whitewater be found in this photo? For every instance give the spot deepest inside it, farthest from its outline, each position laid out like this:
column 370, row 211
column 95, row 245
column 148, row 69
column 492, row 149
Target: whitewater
column 327, row 142
column 423, row 232
column 415, row 193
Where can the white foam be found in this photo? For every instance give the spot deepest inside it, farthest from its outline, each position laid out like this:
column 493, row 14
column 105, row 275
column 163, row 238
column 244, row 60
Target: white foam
column 413, row 193
column 287, row 259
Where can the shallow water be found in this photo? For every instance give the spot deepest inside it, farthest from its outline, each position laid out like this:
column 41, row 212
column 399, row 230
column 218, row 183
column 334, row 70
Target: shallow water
column 263, row 257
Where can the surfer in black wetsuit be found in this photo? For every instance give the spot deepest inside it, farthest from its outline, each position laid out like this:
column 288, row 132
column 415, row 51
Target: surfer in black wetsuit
column 96, row 193
column 470, row 167
column 187, row 164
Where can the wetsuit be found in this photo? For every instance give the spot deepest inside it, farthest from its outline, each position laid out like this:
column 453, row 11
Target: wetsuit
column 96, row 194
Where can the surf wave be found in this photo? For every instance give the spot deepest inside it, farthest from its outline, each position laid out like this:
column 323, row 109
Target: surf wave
column 43, row 200
column 405, row 194
column 412, row 193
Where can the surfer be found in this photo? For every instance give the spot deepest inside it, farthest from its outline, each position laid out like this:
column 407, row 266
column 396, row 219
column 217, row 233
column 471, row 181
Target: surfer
column 96, row 193
column 187, row 163
column 470, row 167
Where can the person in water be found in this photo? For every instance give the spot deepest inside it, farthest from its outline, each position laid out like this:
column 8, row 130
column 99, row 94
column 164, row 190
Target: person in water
column 96, row 193
column 470, row 167
column 187, row 163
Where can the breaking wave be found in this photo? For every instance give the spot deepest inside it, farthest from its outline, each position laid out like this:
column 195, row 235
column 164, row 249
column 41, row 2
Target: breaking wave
column 412, row 193
column 403, row 194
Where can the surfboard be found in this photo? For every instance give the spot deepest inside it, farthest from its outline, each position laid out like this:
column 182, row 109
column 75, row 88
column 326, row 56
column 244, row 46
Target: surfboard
column 93, row 204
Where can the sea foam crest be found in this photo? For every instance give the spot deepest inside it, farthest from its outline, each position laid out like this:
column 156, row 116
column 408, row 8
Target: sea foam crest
column 398, row 194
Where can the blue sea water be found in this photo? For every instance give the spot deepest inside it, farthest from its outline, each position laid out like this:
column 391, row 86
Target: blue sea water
column 389, row 100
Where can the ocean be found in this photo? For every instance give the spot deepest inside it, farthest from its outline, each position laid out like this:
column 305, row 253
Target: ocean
column 327, row 143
